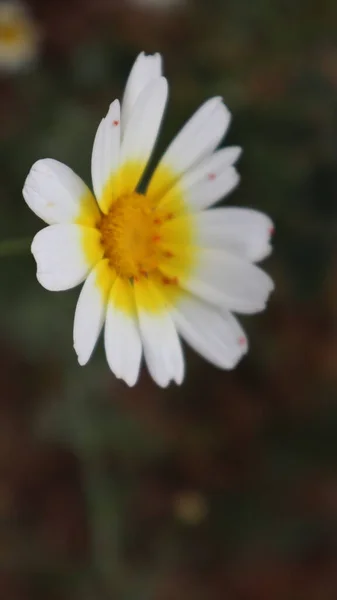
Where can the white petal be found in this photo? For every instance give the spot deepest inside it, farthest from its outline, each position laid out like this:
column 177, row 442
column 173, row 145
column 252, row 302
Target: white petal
column 144, row 70
column 141, row 132
column 198, row 138
column 65, row 254
column 105, row 157
column 91, row 310
column 207, row 183
column 121, row 335
column 162, row 347
column 57, row 195
column 215, row 334
column 230, row 281
column 243, row 231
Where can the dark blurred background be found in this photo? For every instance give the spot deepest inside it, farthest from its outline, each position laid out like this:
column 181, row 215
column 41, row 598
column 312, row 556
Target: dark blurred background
column 226, row 487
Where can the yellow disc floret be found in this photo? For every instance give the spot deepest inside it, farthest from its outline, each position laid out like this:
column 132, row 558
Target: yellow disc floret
column 130, row 236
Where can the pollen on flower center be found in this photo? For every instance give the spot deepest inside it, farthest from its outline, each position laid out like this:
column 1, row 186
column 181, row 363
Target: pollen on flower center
column 130, row 236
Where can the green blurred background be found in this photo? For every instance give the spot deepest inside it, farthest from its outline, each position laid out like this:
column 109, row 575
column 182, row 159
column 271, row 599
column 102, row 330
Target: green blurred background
column 226, row 487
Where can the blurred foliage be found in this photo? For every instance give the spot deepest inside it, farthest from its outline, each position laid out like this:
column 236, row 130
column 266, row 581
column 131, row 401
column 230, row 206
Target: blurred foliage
column 227, row 486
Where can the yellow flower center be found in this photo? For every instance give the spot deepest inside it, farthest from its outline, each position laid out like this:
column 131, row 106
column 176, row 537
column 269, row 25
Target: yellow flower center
column 10, row 33
column 130, row 236
column 147, row 240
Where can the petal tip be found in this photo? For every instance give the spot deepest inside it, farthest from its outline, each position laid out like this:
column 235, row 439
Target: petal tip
column 82, row 358
column 82, row 361
column 131, row 382
column 237, row 150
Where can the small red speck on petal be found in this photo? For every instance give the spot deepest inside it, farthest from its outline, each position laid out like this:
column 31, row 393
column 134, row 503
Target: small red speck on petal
column 157, row 221
column 166, row 280
column 211, row 176
column 168, row 254
column 115, row 123
column 169, row 216
column 136, row 279
column 242, row 341
column 156, row 238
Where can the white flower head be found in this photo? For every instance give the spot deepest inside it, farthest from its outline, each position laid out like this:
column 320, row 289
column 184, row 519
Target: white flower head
column 157, row 264
column 19, row 38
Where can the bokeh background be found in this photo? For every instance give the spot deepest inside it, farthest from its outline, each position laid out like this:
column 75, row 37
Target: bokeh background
column 226, row 487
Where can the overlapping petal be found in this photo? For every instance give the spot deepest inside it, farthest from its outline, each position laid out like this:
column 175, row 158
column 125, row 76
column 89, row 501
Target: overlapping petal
column 141, row 133
column 145, row 69
column 214, row 334
column 57, row 195
column 210, row 181
column 243, row 231
column 229, row 281
column 65, row 254
column 121, row 335
column 197, row 139
column 162, row 347
column 105, row 158
column 91, row 310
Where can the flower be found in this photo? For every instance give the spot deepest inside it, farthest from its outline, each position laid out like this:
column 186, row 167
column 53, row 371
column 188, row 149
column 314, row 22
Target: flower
column 18, row 37
column 157, row 263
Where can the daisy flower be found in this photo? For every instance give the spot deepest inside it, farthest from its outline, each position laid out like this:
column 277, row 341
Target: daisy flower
column 18, row 37
column 156, row 264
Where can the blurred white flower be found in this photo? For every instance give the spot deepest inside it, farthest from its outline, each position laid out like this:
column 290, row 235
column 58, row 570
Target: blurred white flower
column 19, row 38
column 156, row 263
